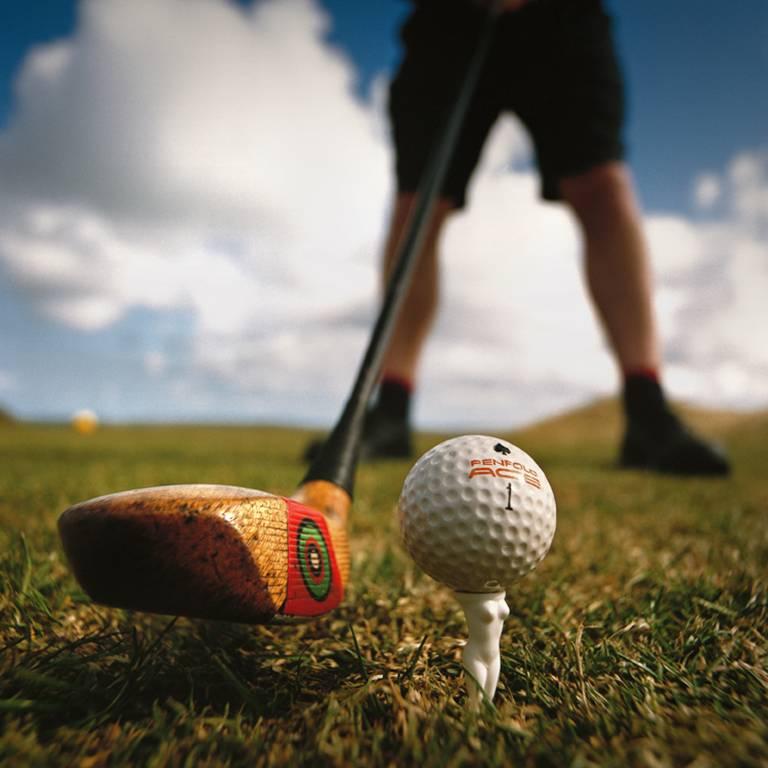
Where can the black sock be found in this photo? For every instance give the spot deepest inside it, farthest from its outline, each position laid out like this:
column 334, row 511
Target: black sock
column 644, row 401
column 394, row 398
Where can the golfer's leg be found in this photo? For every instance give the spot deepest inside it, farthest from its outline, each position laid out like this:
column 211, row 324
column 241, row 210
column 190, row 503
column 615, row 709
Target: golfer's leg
column 387, row 430
column 618, row 274
column 616, row 261
column 420, row 305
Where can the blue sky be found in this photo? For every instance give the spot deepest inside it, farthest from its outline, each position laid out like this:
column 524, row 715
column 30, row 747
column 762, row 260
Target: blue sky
column 71, row 261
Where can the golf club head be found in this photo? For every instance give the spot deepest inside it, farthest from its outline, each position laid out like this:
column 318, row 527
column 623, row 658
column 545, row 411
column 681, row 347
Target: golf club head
column 212, row 551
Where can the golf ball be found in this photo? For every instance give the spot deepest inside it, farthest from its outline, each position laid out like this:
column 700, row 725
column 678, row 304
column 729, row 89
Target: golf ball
column 476, row 512
column 85, row 421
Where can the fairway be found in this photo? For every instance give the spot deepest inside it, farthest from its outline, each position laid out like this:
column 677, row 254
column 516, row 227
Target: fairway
column 639, row 640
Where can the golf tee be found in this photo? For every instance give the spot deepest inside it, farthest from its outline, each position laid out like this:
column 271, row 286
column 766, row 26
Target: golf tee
column 485, row 613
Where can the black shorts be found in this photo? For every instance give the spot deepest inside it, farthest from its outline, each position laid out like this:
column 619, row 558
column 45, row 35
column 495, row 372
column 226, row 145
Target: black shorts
column 553, row 64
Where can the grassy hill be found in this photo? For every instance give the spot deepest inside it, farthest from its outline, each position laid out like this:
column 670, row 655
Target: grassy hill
column 640, row 639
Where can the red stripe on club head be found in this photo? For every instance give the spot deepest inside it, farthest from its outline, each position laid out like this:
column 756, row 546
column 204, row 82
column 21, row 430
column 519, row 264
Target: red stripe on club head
column 314, row 581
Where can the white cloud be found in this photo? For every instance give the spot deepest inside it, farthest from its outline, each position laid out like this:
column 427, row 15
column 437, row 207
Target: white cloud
column 135, row 154
column 188, row 155
column 713, row 288
column 748, row 181
column 706, row 191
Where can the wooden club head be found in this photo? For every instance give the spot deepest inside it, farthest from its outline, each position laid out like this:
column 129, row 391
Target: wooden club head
column 212, row 551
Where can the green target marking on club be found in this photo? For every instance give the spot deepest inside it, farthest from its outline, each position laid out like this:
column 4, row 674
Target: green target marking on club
column 314, row 559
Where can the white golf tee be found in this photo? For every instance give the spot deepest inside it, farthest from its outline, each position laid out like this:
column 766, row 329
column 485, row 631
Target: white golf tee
column 485, row 613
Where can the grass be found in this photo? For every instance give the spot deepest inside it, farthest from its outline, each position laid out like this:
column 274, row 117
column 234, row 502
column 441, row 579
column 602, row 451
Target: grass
column 640, row 640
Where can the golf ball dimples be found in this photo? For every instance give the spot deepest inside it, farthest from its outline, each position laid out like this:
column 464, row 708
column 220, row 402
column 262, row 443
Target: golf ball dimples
column 476, row 512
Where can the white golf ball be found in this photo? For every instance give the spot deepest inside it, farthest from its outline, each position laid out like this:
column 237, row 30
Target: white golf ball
column 476, row 513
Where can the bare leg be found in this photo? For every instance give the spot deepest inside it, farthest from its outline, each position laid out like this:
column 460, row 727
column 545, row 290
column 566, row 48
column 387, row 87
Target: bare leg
column 617, row 261
column 619, row 279
column 420, row 304
column 387, row 432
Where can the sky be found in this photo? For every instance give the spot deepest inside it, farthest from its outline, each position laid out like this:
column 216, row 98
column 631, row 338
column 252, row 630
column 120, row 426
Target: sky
column 193, row 195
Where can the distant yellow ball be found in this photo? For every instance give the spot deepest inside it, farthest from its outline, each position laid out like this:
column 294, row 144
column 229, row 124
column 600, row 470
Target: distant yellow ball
column 85, row 421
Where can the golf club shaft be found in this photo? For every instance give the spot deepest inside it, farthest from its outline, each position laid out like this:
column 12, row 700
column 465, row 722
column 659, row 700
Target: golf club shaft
column 338, row 457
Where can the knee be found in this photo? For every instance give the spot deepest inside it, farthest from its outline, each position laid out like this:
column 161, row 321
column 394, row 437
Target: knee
column 601, row 194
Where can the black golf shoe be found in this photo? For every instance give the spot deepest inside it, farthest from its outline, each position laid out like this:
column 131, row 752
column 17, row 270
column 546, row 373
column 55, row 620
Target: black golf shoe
column 667, row 445
column 383, row 438
column 657, row 439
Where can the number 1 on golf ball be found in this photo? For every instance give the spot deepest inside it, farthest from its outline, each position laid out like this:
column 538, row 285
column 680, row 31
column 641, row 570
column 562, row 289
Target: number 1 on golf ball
column 475, row 513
